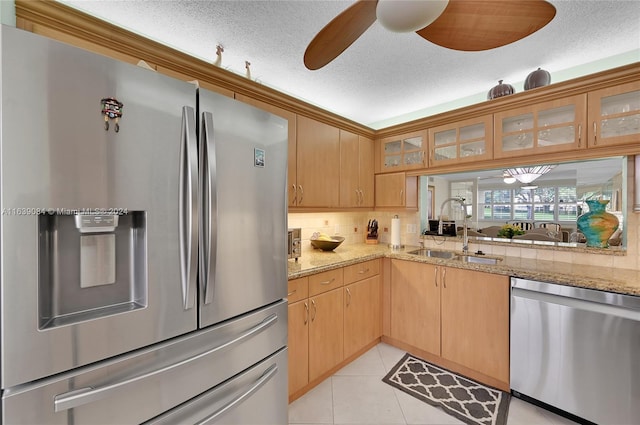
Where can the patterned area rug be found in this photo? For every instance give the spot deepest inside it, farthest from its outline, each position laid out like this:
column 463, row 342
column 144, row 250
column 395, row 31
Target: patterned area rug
column 467, row 400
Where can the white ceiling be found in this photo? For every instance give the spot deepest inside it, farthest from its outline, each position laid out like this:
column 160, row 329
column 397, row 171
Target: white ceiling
column 384, row 78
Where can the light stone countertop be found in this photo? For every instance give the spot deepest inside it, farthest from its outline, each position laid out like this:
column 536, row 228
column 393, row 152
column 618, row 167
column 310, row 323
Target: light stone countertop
column 623, row 281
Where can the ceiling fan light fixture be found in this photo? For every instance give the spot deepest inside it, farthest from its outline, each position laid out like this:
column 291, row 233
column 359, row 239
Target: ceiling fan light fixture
column 526, row 175
column 408, row 15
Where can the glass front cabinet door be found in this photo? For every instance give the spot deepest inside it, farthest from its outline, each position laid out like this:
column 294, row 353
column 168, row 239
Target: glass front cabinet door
column 553, row 126
column 463, row 141
column 405, row 152
column 614, row 115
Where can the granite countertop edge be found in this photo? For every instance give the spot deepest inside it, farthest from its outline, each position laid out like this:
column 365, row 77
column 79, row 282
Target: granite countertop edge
column 622, row 281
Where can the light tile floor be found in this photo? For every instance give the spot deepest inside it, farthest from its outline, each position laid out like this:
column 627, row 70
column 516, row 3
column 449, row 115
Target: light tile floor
column 357, row 395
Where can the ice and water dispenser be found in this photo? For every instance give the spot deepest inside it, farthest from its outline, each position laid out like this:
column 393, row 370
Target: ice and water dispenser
column 90, row 266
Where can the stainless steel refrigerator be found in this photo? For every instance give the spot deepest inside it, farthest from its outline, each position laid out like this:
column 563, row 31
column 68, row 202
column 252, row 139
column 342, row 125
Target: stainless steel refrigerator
column 143, row 245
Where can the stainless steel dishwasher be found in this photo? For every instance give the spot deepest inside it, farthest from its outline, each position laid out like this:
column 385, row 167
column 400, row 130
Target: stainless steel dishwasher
column 577, row 350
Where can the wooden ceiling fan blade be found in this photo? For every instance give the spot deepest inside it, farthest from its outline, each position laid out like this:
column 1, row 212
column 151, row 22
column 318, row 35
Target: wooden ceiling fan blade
column 472, row 25
column 340, row 33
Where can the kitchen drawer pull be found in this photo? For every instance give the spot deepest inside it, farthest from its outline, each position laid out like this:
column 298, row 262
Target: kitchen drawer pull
column 595, row 133
column 315, row 311
column 435, row 276
column 364, row 271
column 82, row 396
column 266, row 376
column 401, row 196
column 306, row 310
column 295, row 194
column 292, row 292
column 348, row 297
column 301, row 194
column 328, row 282
column 444, row 278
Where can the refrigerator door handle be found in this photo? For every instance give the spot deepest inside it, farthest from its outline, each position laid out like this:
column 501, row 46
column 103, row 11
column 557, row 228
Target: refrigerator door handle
column 82, row 396
column 209, row 206
column 188, row 207
column 259, row 383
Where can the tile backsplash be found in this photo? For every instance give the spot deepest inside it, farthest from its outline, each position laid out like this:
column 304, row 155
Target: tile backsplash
column 353, row 226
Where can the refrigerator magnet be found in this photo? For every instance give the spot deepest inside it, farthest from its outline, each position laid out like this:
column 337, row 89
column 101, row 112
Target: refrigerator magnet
column 258, row 157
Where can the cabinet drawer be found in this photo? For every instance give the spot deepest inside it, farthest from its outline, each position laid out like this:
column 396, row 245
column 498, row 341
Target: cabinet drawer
column 326, row 281
column 298, row 289
column 361, row 271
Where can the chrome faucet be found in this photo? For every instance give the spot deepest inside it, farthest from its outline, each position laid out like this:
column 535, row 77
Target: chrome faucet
column 465, row 236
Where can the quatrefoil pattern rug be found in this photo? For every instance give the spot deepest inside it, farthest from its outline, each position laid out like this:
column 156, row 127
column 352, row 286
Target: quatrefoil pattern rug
column 467, row 400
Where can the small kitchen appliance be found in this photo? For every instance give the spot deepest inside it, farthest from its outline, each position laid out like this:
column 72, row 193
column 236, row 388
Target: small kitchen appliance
column 294, row 243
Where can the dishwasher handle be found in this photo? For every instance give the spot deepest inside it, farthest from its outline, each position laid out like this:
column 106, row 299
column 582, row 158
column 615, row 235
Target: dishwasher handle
column 577, row 303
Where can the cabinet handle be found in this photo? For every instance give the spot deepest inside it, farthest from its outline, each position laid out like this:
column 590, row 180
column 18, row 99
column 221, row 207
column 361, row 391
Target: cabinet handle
column 433, row 154
column 357, row 197
column 327, row 282
column 348, row 297
column 364, row 271
column 401, row 196
column 301, row 194
column 579, row 135
column 361, row 197
column 295, row 194
column 424, row 157
column 292, row 292
column 435, row 276
column 595, row 133
column 315, row 310
column 444, row 278
column 306, row 311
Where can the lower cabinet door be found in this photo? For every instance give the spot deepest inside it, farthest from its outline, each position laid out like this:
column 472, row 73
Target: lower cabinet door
column 326, row 334
column 362, row 316
column 415, row 304
column 298, row 345
column 475, row 321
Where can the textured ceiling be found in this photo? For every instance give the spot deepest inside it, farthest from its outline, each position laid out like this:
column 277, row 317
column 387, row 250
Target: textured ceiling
column 384, row 78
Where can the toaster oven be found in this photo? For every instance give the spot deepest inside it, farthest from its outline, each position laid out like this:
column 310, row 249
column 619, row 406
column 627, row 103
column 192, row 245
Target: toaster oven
column 295, row 243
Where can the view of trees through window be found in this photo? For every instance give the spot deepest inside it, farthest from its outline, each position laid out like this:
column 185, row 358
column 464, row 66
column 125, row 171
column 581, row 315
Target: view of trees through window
column 557, row 203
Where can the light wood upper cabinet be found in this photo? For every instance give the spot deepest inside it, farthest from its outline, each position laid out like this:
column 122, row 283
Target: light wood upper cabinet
column 614, row 115
column 464, row 141
column 356, row 170
column 292, row 145
column 554, row 126
column 318, row 164
column 396, row 190
column 326, row 332
column 475, row 321
column 404, row 152
column 415, row 305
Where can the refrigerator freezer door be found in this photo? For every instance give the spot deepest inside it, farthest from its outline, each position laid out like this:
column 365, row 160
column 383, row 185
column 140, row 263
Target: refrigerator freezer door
column 243, row 190
column 257, row 396
column 141, row 385
column 57, row 157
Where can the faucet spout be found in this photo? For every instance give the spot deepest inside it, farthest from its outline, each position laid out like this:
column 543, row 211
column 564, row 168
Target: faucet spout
column 465, row 236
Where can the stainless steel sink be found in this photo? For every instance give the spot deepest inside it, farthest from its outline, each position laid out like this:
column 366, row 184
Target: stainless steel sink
column 477, row 259
column 433, row 253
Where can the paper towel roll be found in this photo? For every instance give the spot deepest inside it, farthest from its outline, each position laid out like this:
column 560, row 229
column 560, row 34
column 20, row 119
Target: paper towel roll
column 395, row 232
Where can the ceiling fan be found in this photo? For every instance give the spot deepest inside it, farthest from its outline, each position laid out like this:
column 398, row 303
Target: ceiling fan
column 467, row 25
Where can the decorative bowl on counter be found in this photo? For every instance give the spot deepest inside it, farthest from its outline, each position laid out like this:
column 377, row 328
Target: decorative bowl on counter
column 327, row 245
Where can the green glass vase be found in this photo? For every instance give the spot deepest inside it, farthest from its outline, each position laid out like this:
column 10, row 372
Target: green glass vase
column 597, row 225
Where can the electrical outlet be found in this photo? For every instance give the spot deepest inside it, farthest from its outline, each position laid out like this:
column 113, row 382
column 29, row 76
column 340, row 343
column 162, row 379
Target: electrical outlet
column 337, row 229
column 326, row 222
column 411, row 228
